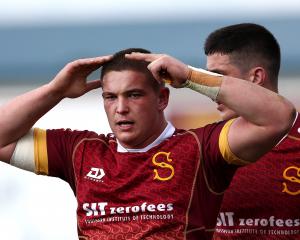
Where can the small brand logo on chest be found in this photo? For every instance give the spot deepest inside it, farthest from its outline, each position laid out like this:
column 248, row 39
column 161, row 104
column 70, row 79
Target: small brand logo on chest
column 95, row 174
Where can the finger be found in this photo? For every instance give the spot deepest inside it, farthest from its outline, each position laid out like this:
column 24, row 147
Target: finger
column 100, row 60
column 148, row 57
column 87, row 65
column 90, row 62
column 156, row 70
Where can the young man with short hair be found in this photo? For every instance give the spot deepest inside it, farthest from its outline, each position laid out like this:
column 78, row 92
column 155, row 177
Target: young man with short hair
column 263, row 199
column 147, row 180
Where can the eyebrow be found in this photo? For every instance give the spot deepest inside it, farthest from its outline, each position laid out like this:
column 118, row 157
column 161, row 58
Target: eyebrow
column 126, row 92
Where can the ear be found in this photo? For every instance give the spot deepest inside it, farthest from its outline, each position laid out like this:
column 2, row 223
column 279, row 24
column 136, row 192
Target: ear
column 258, row 75
column 163, row 98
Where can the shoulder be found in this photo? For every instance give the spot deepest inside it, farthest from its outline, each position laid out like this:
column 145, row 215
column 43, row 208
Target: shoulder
column 210, row 131
column 67, row 137
column 68, row 133
column 207, row 137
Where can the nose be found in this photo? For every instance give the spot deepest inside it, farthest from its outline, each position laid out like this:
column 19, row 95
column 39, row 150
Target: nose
column 122, row 106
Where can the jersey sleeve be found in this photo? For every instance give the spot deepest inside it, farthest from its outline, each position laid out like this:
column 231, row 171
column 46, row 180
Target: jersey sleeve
column 219, row 162
column 54, row 152
column 224, row 147
column 49, row 152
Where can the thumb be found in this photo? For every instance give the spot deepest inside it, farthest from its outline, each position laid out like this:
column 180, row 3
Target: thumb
column 91, row 85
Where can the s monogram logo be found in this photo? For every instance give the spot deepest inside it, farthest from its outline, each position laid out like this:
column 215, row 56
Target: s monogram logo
column 158, row 160
column 288, row 175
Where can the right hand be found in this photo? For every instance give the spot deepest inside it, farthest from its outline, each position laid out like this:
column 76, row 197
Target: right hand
column 164, row 67
column 71, row 81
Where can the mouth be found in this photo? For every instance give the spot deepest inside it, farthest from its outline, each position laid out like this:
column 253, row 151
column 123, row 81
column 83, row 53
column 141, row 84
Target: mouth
column 125, row 124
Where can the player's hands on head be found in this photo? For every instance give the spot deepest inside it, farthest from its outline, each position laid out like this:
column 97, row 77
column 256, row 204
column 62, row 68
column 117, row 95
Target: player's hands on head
column 164, row 67
column 72, row 82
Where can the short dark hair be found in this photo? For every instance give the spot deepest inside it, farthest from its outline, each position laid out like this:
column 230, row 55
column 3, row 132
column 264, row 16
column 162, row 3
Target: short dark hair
column 120, row 63
column 248, row 45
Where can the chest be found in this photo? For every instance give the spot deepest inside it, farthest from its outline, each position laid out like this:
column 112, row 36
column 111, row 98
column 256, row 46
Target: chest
column 161, row 179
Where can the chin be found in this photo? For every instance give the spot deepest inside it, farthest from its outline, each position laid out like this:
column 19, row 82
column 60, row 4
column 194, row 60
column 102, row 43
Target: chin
column 126, row 140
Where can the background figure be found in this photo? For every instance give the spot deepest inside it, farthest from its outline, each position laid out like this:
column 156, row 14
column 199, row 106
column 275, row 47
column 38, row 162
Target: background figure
column 263, row 199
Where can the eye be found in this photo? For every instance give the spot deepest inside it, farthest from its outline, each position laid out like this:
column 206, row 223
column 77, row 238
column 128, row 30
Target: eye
column 134, row 95
column 109, row 97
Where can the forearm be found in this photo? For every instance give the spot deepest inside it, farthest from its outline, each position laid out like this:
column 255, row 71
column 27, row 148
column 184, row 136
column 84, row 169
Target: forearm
column 21, row 113
column 265, row 116
column 254, row 103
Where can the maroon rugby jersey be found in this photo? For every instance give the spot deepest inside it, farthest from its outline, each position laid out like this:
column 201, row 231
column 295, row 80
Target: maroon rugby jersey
column 263, row 200
column 172, row 191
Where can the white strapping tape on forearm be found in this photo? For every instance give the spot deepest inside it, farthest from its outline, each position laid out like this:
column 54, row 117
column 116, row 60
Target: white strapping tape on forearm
column 204, row 82
column 23, row 156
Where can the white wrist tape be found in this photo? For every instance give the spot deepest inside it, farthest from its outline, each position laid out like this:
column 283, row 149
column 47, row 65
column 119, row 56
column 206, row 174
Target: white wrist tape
column 204, row 82
column 23, row 156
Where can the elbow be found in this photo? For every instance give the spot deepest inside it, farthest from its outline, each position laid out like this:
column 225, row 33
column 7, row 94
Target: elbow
column 286, row 119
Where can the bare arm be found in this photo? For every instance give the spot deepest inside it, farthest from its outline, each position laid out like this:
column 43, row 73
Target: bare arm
column 265, row 116
column 21, row 113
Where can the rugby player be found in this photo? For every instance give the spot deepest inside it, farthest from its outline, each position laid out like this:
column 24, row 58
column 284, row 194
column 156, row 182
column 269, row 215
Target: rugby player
column 146, row 180
column 263, row 199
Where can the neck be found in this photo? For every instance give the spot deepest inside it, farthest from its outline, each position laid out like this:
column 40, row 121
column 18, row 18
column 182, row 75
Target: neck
column 158, row 131
column 167, row 132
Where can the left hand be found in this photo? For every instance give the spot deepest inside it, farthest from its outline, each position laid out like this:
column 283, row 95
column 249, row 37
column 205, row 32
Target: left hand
column 164, row 68
column 72, row 81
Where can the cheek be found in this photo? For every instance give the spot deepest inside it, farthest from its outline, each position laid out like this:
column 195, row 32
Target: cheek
column 144, row 106
column 109, row 109
column 149, row 113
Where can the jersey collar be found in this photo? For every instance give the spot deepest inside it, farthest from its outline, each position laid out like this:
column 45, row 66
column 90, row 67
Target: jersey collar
column 168, row 132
